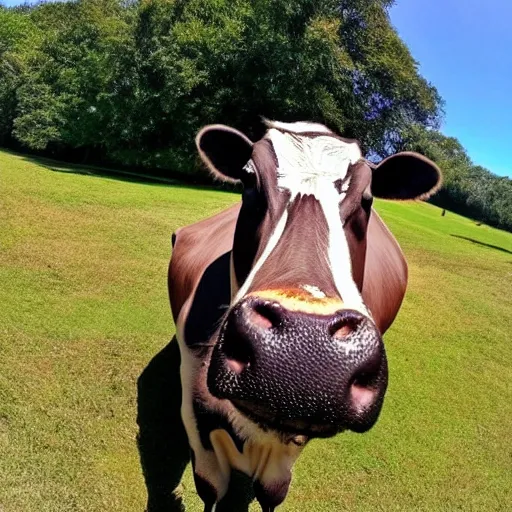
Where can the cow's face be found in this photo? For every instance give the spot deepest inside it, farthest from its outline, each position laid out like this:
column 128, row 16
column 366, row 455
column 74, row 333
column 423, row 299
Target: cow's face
column 298, row 351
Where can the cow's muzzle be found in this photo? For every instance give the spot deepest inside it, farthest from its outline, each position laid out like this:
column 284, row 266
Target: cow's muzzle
column 300, row 373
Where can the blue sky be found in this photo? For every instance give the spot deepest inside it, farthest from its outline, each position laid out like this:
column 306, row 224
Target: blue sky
column 464, row 47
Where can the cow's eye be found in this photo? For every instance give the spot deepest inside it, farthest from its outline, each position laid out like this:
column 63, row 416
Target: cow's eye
column 250, row 194
column 250, row 180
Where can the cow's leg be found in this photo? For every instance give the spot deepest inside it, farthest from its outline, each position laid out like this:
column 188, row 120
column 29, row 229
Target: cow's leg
column 162, row 440
column 204, row 489
column 239, row 496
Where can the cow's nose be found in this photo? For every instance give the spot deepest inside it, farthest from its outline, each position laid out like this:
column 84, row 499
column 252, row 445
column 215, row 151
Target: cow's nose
column 297, row 371
column 246, row 329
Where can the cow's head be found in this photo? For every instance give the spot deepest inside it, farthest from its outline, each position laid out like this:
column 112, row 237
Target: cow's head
column 298, row 351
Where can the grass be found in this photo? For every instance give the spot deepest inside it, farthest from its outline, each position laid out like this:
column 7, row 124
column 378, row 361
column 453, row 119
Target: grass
column 83, row 308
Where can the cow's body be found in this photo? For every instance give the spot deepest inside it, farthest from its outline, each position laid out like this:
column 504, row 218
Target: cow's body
column 280, row 304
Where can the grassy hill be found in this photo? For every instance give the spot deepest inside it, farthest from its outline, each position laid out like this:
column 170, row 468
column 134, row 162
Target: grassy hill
column 83, row 309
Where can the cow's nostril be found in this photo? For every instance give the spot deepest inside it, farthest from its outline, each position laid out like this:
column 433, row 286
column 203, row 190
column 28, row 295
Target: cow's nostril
column 363, row 391
column 236, row 366
column 345, row 324
column 238, row 355
column 343, row 330
column 255, row 318
column 362, row 396
column 245, row 325
column 237, row 349
column 263, row 315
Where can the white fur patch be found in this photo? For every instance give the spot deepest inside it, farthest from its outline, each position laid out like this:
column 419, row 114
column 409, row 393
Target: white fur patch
column 314, row 291
column 345, row 185
column 300, row 127
column 309, row 165
column 268, row 462
column 249, row 167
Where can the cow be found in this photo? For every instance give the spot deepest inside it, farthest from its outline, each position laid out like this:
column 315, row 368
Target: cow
column 280, row 302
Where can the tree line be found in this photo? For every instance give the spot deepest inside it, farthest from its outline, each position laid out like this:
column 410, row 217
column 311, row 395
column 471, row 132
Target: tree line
column 130, row 82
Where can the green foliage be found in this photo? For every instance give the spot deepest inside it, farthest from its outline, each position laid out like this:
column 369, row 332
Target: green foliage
column 68, row 95
column 39, row 118
column 18, row 35
column 134, row 81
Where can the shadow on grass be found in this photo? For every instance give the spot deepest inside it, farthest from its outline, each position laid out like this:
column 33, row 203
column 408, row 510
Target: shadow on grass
column 196, row 182
column 162, row 441
column 477, row 242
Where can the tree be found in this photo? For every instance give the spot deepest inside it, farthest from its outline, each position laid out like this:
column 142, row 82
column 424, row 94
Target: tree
column 68, row 98
column 389, row 93
column 135, row 81
column 16, row 31
column 235, row 61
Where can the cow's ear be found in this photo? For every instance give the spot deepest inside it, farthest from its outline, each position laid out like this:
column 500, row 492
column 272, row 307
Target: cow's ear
column 406, row 175
column 225, row 151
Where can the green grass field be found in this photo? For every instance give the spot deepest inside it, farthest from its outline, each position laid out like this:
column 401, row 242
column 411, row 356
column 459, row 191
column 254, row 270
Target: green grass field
column 83, row 309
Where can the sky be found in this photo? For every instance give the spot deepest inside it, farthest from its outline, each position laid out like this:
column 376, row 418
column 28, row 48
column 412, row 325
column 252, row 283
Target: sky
column 464, row 48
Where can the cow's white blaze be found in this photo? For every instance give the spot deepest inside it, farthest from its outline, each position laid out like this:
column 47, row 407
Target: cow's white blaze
column 310, row 166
